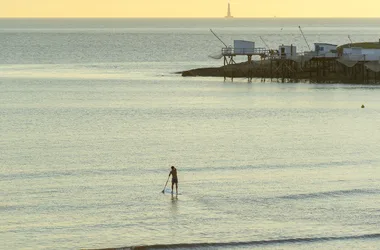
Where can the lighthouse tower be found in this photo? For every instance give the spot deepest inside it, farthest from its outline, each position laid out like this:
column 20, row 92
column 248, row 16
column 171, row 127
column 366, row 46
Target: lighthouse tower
column 229, row 11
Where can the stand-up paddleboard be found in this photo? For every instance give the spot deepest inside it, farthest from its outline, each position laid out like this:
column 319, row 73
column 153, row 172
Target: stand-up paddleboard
column 169, row 191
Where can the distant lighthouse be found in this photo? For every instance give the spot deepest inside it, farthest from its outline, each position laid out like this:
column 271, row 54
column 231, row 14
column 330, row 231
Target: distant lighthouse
column 229, row 11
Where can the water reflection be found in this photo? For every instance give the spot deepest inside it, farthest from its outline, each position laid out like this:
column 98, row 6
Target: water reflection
column 174, row 198
column 174, row 206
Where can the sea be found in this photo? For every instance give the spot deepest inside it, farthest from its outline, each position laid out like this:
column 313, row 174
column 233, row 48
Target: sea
column 94, row 113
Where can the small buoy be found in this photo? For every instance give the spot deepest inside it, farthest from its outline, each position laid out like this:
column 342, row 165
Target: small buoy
column 362, row 106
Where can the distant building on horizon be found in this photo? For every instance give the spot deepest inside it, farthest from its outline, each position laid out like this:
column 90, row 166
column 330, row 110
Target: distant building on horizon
column 229, row 11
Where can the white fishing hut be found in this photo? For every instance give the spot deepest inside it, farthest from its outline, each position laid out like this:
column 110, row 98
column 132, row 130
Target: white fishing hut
column 287, row 51
column 325, row 49
column 360, row 54
column 242, row 47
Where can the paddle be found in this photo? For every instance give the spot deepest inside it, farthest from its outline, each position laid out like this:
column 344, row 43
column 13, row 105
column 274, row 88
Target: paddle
column 163, row 191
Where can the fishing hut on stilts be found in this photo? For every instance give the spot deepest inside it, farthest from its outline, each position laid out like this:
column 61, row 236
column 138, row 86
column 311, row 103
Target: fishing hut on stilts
column 325, row 63
column 241, row 48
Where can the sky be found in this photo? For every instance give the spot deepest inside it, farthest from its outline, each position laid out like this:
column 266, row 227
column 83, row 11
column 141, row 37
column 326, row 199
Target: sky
column 188, row 8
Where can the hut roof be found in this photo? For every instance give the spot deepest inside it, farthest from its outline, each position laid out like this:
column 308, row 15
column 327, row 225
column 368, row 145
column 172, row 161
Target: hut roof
column 364, row 45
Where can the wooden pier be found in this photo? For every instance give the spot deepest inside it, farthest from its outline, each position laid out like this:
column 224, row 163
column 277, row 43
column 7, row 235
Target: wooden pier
column 230, row 53
column 277, row 68
column 316, row 70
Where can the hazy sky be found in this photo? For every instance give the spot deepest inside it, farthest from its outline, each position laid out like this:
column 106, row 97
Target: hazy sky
column 188, row 8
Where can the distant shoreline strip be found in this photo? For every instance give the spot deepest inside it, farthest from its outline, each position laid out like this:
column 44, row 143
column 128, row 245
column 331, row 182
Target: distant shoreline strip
column 245, row 243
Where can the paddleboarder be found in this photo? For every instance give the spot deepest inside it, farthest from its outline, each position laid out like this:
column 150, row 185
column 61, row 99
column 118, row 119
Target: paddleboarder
column 173, row 173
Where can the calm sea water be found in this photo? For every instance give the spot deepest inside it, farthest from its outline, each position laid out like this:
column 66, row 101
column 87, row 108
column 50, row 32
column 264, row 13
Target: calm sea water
column 92, row 118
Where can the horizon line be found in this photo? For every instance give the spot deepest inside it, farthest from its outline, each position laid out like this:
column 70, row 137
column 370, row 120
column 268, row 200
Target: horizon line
column 273, row 17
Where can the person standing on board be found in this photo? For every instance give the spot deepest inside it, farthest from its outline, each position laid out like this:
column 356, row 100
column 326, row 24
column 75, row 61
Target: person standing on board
column 173, row 173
